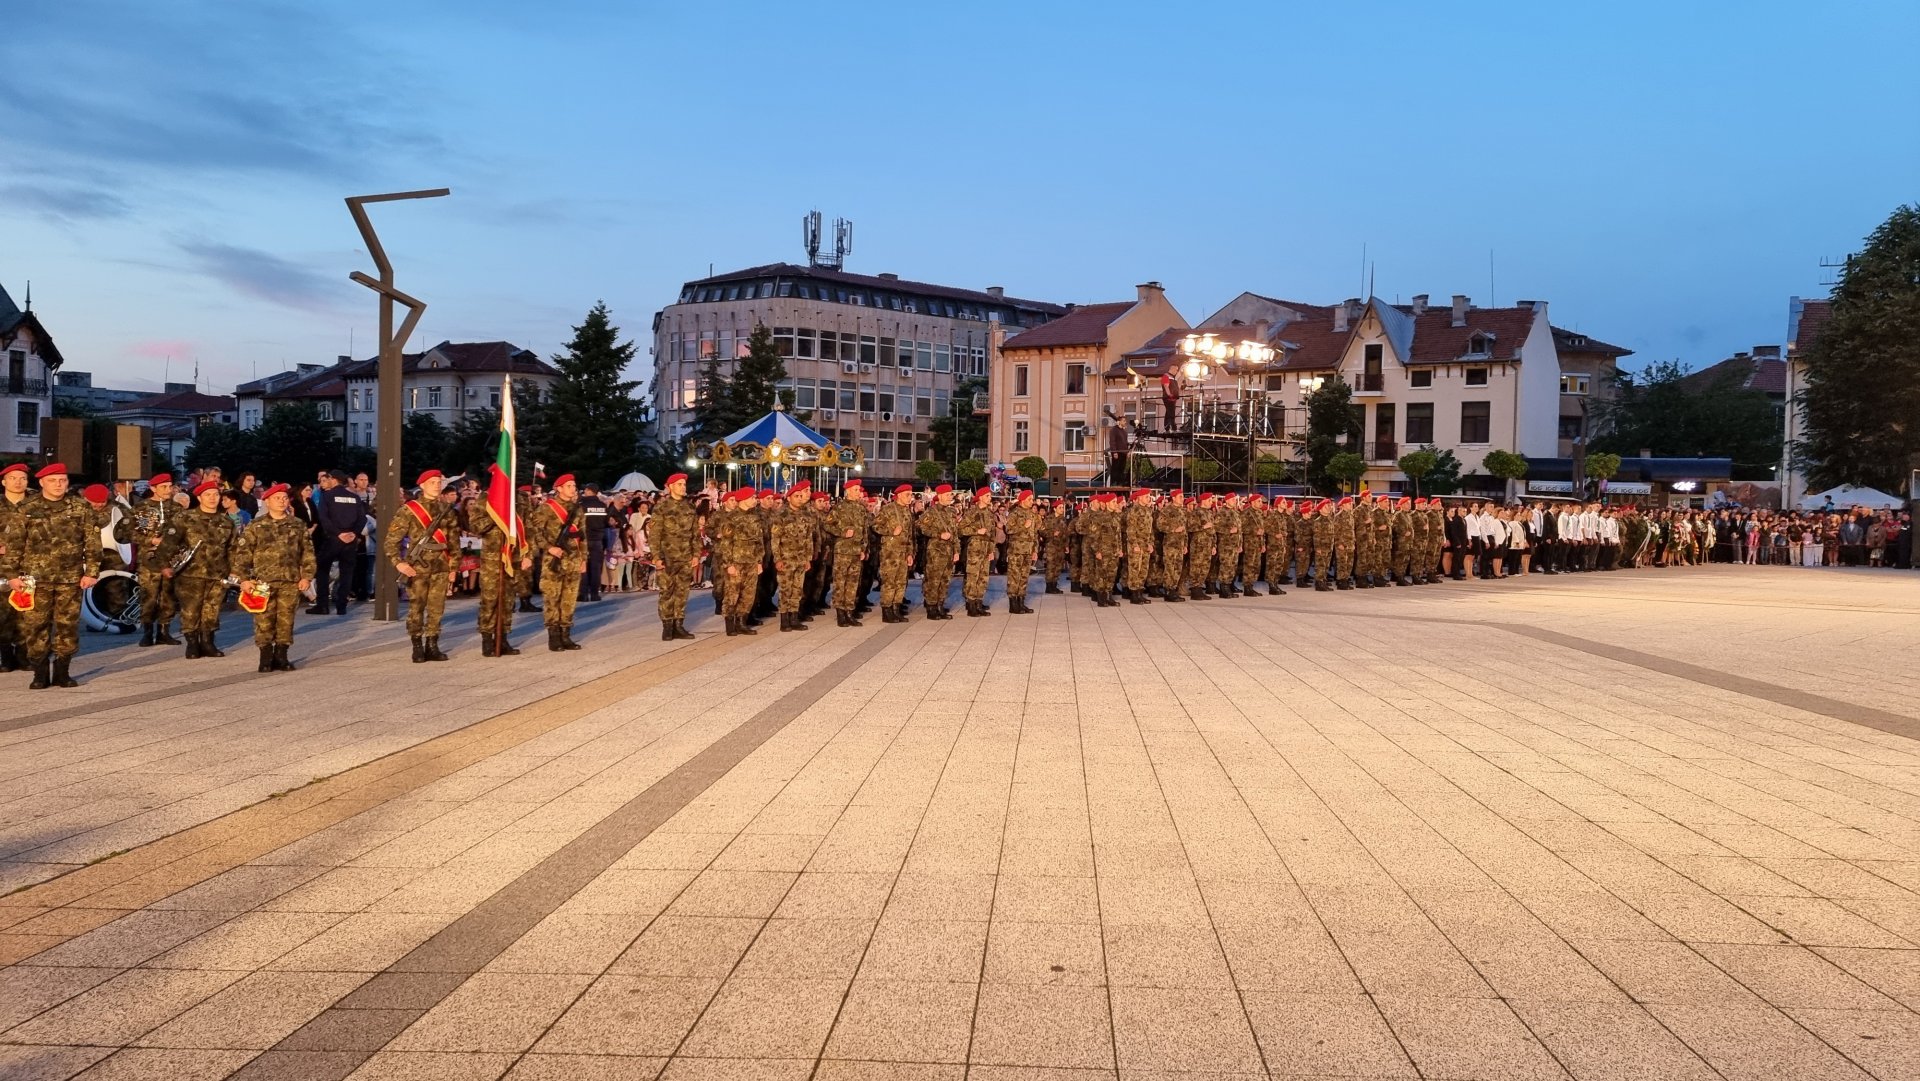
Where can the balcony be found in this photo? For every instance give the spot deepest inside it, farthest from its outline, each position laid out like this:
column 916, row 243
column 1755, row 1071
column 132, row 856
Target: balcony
column 26, row 388
column 1384, row 450
column 982, row 405
column 1371, row 383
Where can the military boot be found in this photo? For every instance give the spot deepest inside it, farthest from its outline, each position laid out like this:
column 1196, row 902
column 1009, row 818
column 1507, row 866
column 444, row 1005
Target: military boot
column 10, row 657
column 487, row 648
column 527, row 605
column 419, row 650
column 266, row 659
column 433, row 649
column 1321, row 585
column 40, row 674
column 681, row 633
column 146, row 639
column 1052, row 588
column 566, row 638
column 61, row 677
column 745, row 623
column 162, row 638
column 553, row 641
column 280, row 659
column 1140, row 597
column 1345, row 583
column 207, row 646
column 193, row 645
column 733, row 626
column 786, row 623
column 666, row 630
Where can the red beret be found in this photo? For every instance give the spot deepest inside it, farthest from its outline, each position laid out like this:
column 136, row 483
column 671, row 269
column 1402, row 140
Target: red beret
column 526, row 488
column 1026, row 494
column 1139, row 492
column 943, row 489
column 855, row 486
column 823, row 496
column 800, row 486
column 95, row 493
column 203, row 486
column 159, row 479
column 674, row 477
column 1256, row 498
column 431, row 474
column 274, row 490
column 53, row 470
column 15, row 467
column 1206, row 497
column 978, row 492
column 903, row 489
column 1346, row 501
column 562, row 480
column 1325, row 505
column 1405, row 501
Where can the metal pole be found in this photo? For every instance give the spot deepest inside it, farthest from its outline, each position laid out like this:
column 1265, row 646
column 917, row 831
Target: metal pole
column 386, row 586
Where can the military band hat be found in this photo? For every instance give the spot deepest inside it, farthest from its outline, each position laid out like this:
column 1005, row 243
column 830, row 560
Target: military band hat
column 52, row 469
column 431, row 474
column 274, row 490
column 674, row 477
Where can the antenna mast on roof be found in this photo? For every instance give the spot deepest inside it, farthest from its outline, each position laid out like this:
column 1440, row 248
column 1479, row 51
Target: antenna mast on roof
column 1842, row 264
column 810, row 233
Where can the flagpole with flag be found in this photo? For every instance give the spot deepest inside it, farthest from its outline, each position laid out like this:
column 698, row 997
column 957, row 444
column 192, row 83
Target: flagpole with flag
column 501, row 504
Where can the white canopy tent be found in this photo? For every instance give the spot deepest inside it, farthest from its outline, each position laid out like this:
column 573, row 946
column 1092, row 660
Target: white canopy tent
column 636, row 482
column 1848, row 495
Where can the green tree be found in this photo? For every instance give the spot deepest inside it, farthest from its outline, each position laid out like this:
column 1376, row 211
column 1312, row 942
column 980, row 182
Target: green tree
column 74, row 407
column 1269, row 470
column 1032, row 467
column 926, row 471
column 591, row 422
column 1202, row 470
column 972, row 430
column 1673, row 412
column 424, row 443
column 1347, row 468
column 1862, row 400
column 1418, row 465
column 471, row 444
column 1444, row 479
column 1506, row 465
column 226, row 446
column 713, row 413
column 1330, row 418
column 293, row 444
column 755, row 384
column 971, row 471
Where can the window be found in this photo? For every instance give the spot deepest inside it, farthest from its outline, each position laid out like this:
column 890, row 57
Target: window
column 803, row 394
column 922, row 405
column 849, row 393
column 783, row 341
column 766, row 290
column 940, row 360
column 1476, row 377
column 869, row 350
column 1421, row 377
column 1574, row 384
column 1476, row 422
column 413, row 397
column 1019, row 380
column 1419, row 423
column 923, row 355
column 1076, row 379
column 26, row 418
column 16, row 371
column 1383, row 423
column 830, row 345
column 803, row 343
column 493, row 397
column 886, row 399
column 903, row 446
column 1479, row 346
column 1019, row 437
column 785, row 289
column 1075, row 433
column 1370, row 378
column 353, row 397
column 866, row 397
column 1572, row 426
column 906, row 353
column 433, row 397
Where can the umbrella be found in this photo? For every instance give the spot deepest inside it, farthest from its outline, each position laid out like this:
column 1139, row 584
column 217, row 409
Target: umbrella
column 636, row 482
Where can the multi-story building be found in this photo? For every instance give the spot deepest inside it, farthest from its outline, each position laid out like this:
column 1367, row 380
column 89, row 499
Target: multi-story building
column 1805, row 320
column 1587, row 370
column 871, row 359
column 76, row 390
column 26, row 383
column 1057, row 387
column 175, row 417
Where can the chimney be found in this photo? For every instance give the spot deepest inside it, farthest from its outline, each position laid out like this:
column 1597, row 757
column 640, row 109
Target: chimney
column 1460, row 307
column 890, row 276
column 997, row 292
column 1767, row 352
column 1341, row 317
column 1420, row 304
column 1527, row 305
column 344, row 359
column 1149, row 289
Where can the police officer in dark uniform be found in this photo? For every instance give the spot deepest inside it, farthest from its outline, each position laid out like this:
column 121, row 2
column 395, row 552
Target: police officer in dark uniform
column 339, row 517
column 593, row 524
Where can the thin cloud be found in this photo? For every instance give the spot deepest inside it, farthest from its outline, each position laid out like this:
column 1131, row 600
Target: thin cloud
column 263, row 275
column 65, row 202
column 161, row 349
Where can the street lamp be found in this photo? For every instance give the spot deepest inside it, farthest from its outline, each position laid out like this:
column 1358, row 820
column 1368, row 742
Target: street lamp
column 1206, row 351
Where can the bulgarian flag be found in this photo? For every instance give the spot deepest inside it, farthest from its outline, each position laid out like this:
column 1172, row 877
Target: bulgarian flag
column 506, row 461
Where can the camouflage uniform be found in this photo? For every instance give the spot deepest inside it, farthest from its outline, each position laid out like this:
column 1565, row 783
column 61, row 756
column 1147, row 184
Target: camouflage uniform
column 1199, row 550
column 739, row 546
column 12, row 654
column 1322, row 530
column 1170, row 519
column 936, row 578
column 850, row 521
column 893, row 524
column 1279, row 547
column 1056, row 530
column 494, row 614
column 1400, row 534
column 200, row 584
column 1137, row 523
column 1228, row 542
column 1023, row 541
column 1342, row 538
column 555, row 524
column 1077, row 549
column 977, row 525
column 673, row 537
column 791, row 533
column 1253, row 546
column 53, row 542
column 275, row 551
column 1103, row 548
column 157, row 601
column 430, row 548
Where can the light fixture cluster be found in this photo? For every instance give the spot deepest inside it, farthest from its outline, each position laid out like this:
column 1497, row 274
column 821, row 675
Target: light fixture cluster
column 1206, row 350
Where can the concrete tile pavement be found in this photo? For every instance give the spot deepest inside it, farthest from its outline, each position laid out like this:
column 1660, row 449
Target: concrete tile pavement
column 1347, row 835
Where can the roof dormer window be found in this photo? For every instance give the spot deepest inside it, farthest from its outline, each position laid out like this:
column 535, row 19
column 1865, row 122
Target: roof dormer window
column 1480, row 344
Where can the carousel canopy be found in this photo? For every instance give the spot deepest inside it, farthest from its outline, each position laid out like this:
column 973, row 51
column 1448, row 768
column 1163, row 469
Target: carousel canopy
column 779, row 425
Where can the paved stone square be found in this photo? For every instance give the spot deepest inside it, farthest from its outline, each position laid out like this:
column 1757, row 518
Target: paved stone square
column 1659, row 824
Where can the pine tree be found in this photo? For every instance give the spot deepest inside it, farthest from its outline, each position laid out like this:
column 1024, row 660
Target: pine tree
column 756, row 380
column 1863, row 371
column 591, row 422
column 713, row 414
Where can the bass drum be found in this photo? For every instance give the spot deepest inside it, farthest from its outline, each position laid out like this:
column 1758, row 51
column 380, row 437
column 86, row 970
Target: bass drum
column 113, row 604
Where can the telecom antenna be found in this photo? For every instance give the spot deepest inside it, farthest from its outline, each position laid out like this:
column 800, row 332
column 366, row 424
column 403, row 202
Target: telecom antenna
column 810, row 236
column 811, row 233
column 1834, row 269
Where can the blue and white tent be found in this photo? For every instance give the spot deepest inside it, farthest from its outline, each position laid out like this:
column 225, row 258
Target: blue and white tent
column 778, row 426
column 777, row 440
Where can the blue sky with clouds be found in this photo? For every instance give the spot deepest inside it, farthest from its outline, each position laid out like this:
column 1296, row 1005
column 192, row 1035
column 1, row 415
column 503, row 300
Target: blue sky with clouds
column 1665, row 174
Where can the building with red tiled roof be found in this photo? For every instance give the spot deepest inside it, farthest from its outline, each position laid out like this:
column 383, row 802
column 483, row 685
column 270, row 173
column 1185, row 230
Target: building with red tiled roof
column 175, row 417
column 1054, row 388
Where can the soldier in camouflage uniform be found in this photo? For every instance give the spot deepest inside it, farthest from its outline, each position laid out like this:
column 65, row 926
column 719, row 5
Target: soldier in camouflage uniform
column 494, row 613
column 554, row 531
column 1077, row 549
column 1279, row 545
column 673, row 539
column 1400, row 543
column 1382, row 569
column 1253, row 543
column 942, row 532
column 1320, row 539
column 50, row 539
column 791, row 532
column 1056, row 531
column 1137, row 530
column 977, row 526
column 1228, row 542
column 524, row 585
column 894, row 525
column 849, row 521
column 820, row 574
column 1023, row 541
column 1342, row 538
column 1170, row 521
column 200, row 582
column 274, row 552
column 739, row 546
column 1104, row 547
column 157, row 602
column 1200, row 546
column 14, row 480
column 429, row 530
